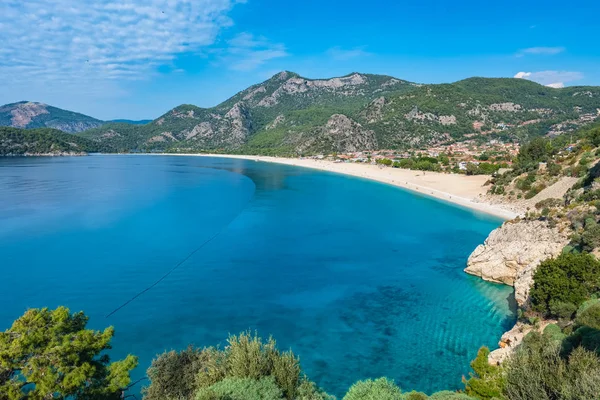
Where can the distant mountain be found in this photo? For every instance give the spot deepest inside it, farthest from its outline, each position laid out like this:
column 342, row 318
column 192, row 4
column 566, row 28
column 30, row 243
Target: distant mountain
column 27, row 114
column 284, row 113
column 128, row 121
column 45, row 141
column 289, row 114
column 480, row 109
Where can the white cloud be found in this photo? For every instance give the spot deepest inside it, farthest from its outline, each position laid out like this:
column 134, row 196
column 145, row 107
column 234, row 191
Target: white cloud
column 540, row 51
column 247, row 52
column 341, row 54
column 555, row 79
column 86, row 44
column 522, row 75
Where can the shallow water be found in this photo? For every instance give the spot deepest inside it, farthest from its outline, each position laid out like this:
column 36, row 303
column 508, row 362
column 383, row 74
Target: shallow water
column 359, row 278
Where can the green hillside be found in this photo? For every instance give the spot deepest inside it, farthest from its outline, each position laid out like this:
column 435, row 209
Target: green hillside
column 44, row 141
column 291, row 115
column 481, row 108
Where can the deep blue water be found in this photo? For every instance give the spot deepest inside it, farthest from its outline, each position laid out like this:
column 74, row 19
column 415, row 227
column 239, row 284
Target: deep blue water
column 360, row 279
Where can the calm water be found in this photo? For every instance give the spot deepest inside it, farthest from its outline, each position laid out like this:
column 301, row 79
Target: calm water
column 360, row 279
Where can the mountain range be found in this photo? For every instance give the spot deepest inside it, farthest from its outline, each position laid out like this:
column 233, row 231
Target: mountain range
column 29, row 115
column 292, row 115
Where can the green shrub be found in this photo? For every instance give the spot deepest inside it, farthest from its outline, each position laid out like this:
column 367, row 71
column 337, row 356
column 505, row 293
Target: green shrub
column 562, row 309
column 553, row 333
column 554, row 169
column 524, row 184
column 448, row 395
column 242, row 389
column 249, row 357
column 414, row 396
column 535, row 151
column 586, row 304
column 590, row 238
column 590, row 316
column 385, row 161
column 537, row 371
column 548, row 203
column 378, row 389
column 497, row 189
column 534, row 191
column 586, row 158
column 179, row 376
column 584, row 337
column 173, row 375
column 486, row 382
column 569, row 278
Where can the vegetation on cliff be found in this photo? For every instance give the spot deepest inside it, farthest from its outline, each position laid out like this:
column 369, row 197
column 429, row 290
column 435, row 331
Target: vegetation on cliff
column 292, row 115
column 43, row 141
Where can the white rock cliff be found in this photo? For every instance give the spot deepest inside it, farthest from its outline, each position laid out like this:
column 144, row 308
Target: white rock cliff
column 511, row 254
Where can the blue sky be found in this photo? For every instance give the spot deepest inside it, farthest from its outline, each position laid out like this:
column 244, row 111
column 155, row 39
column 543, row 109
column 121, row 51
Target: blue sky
column 139, row 58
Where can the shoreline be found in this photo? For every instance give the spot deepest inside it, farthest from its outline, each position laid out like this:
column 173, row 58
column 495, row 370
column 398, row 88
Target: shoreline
column 457, row 189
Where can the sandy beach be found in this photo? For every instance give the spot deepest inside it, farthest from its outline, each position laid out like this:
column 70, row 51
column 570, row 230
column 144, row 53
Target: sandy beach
column 466, row 191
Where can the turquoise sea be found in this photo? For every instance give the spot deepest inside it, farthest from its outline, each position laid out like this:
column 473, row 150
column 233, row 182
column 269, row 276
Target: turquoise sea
column 359, row 278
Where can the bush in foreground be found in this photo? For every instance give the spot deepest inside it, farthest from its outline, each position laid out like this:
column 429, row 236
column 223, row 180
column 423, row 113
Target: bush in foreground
column 246, row 363
column 49, row 354
column 539, row 371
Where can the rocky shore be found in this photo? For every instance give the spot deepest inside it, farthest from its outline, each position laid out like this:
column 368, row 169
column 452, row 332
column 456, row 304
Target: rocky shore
column 512, row 252
column 510, row 255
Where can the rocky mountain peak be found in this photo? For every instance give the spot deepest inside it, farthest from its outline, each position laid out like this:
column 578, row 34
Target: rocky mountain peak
column 23, row 113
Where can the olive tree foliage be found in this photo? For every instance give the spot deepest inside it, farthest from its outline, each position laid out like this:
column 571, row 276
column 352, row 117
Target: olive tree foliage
column 49, row 354
column 386, row 389
column 378, row 389
column 242, row 389
column 538, row 371
column 217, row 374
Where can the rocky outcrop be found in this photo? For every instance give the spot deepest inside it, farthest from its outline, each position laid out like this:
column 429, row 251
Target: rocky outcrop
column 276, row 122
column 340, row 134
column 228, row 130
column 348, row 135
column 374, row 111
column 512, row 339
column 447, row 119
column 29, row 114
column 240, row 124
column 511, row 254
column 23, row 113
column 203, row 129
column 416, row 115
column 255, row 92
column 296, row 85
column 510, row 107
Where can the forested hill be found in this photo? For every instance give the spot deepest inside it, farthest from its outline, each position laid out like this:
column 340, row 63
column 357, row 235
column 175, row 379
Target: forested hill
column 44, row 141
column 26, row 114
column 291, row 115
column 30, row 115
